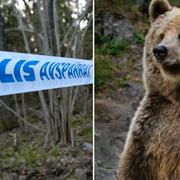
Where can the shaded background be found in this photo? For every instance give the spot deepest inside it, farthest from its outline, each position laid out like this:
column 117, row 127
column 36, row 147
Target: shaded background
column 120, row 29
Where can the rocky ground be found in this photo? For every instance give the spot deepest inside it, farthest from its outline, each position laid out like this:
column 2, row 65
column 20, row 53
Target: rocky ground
column 113, row 118
column 118, row 97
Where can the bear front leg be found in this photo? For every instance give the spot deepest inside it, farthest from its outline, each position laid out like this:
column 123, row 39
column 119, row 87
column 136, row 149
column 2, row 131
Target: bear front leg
column 131, row 161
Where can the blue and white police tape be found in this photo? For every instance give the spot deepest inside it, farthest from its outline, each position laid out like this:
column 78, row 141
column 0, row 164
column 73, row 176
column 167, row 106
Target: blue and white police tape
column 20, row 72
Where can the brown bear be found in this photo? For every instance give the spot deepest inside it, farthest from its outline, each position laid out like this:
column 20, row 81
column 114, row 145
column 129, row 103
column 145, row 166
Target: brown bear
column 152, row 149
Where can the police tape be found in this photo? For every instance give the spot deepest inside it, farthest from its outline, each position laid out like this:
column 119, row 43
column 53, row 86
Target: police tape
column 20, row 72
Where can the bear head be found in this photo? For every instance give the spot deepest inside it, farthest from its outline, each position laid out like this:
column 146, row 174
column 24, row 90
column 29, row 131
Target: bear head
column 161, row 57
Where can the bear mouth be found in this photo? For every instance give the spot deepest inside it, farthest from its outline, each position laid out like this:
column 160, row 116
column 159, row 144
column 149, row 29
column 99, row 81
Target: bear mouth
column 172, row 68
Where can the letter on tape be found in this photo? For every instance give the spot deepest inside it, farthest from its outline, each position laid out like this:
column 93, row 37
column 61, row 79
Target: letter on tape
column 20, row 72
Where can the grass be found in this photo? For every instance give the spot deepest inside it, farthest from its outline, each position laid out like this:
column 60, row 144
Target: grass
column 138, row 37
column 30, row 155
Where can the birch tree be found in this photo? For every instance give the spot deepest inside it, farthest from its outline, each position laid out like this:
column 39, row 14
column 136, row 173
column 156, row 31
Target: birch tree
column 59, row 28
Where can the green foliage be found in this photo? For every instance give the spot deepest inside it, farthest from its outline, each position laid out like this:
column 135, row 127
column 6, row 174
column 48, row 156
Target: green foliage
column 75, row 124
column 108, row 49
column 175, row 2
column 11, row 158
column 104, row 69
column 121, row 81
column 138, row 37
column 87, row 132
column 30, row 156
column 18, row 159
column 114, row 5
column 116, row 47
column 54, row 151
column 112, row 47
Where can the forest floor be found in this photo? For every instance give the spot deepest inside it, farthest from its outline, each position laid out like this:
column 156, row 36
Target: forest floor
column 29, row 160
column 119, row 89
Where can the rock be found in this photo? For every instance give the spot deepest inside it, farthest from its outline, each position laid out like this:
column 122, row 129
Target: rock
column 97, row 132
column 80, row 174
column 12, row 176
column 112, row 135
column 105, row 174
column 22, row 178
column 113, row 25
column 112, row 109
column 88, row 147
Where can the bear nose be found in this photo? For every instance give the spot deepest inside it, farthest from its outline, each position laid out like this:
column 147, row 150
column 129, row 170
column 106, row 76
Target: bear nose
column 160, row 52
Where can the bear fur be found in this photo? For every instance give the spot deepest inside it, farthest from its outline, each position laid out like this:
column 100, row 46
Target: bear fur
column 152, row 149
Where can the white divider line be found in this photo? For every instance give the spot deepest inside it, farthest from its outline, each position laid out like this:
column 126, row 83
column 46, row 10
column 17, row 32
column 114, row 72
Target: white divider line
column 20, row 72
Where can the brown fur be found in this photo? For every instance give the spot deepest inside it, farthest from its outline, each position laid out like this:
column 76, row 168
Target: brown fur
column 152, row 150
column 158, row 7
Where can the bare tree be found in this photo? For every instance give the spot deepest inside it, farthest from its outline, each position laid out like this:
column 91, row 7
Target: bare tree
column 58, row 35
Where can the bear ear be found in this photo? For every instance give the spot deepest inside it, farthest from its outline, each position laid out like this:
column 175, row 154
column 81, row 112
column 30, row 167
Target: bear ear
column 158, row 7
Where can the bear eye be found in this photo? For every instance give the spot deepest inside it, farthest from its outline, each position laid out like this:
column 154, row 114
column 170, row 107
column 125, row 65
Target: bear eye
column 161, row 36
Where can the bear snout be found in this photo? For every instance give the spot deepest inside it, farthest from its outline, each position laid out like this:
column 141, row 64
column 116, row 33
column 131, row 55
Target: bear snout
column 160, row 52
